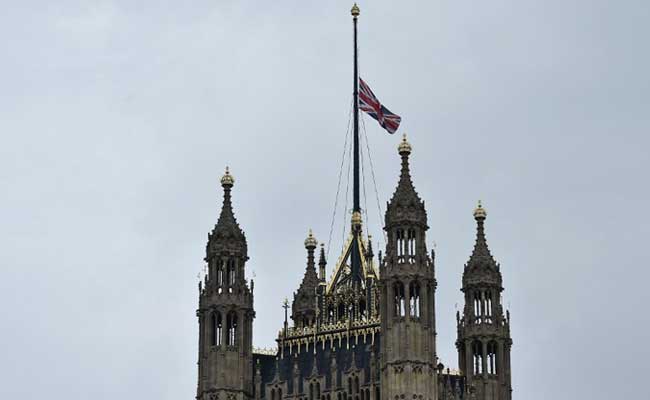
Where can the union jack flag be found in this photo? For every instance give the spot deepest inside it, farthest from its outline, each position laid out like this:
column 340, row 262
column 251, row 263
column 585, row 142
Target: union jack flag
column 369, row 103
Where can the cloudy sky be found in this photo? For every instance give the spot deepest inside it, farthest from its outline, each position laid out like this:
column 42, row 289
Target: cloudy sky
column 118, row 118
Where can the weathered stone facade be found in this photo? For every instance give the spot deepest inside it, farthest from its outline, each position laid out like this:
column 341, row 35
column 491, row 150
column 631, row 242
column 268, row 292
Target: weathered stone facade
column 361, row 335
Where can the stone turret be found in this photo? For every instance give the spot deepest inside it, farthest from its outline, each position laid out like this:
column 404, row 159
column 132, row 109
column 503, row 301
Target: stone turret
column 483, row 331
column 226, row 311
column 407, row 282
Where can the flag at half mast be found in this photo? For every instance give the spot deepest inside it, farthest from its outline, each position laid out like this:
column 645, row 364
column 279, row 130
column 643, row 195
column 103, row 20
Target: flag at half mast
column 369, row 103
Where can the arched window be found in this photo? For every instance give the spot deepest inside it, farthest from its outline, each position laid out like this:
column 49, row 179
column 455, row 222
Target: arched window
column 317, row 390
column 411, row 245
column 272, row 394
column 349, row 385
column 231, row 275
column 398, row 293
column 342, row 312
column 220, row 274
column 356, row 384
column 311, row 391
column 330, row 314
column 279, row 394
column 400, row 245
column 414, row 300
column 231, row 338
column 362, row 310
column 492, row 357
column 477, row 352
column 477, row 306
column 488, row 306
column 213, row 330
column 377, row 397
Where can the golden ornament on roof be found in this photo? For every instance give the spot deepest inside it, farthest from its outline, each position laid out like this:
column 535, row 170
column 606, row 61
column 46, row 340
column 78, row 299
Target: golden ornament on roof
column 404, row 146
column 227, row 179
column 311, row 241
column 480, row 212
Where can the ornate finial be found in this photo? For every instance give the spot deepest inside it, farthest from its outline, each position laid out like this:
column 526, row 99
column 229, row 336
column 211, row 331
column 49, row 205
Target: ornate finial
column 355, row 10
column 311, row 242
column 356, row 219
column 404, row 146
column 227, row 179
column 479, row 212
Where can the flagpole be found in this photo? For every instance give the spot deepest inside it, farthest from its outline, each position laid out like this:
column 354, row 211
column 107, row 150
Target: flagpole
column 357, row 208
column 356, row 211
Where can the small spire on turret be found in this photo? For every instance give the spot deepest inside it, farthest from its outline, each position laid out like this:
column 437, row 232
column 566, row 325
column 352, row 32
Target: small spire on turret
column 322, row 263
column 369, row 253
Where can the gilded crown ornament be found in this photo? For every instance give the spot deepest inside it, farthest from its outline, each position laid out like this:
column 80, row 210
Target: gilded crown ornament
column 227, row 179
column 479, row 211
column 404, row 146
column 311, row 241
column 355, row 10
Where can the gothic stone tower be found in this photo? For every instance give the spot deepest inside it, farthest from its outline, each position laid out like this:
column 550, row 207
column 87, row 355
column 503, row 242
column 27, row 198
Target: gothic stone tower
column 407, row 281
column 225, row 311
column 483, row 332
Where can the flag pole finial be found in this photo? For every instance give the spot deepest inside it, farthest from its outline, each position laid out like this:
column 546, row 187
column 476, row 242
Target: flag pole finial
column 355, row 10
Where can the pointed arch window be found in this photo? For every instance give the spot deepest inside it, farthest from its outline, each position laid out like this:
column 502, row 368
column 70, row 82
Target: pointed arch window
column 231, row 321
column 477, row 307
column 400, row 245
column 492, row 357
column 330, row 314
column 341, row 312
column 220, row 273
column 488, row 306
column 398, row 299
column 362, row 310
column 230, row 274
column 411, row 245
column 477, row 357
column 215, row 329
column 414, row 300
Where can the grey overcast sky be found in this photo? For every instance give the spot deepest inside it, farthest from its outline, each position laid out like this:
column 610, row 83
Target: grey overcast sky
column 118, row 118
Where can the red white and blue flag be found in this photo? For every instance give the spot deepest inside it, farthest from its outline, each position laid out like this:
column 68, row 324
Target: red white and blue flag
column 369, row 103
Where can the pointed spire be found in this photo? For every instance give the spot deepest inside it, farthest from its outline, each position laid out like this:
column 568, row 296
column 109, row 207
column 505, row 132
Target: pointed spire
column 227, row 222
column 310, row 280
column 369, row 253
column 481, row 253
column 227, row 233
column 322, row 263
column 481, row 267
column 405, row 205
column 303, row 301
